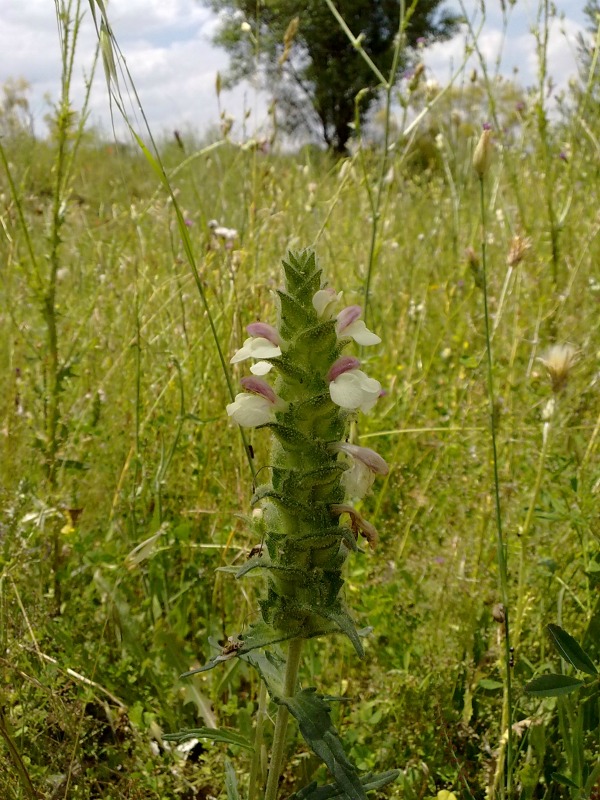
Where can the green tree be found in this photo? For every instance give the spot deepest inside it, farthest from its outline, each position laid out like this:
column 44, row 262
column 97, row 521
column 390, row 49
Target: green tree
column 304, row 59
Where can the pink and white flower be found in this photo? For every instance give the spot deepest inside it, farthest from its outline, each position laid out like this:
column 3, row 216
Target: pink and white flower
column 264, row 342
column 366, row 465
column 256, row 406
column 350, row 387
column 350, row 326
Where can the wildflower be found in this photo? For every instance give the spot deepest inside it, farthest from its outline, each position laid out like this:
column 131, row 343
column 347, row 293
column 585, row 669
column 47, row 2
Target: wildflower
column 228, row 235
column 264, row 342
column 350, row 387
column 256, row 407
column 358, row 524
column 349, row 325
column 483, row 152
column 559, row 361
column 324, row 302
column 366, row 464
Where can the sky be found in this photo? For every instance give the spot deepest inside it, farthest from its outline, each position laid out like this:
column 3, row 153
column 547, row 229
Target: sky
column 168, row 50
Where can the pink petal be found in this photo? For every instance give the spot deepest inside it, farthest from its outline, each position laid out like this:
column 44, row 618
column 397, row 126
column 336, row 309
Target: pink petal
column 343, row 364
column 347, row 316
column 264, row 330
column 257, row 386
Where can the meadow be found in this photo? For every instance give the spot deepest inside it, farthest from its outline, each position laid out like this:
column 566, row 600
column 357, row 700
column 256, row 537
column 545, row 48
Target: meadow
column 125, row 490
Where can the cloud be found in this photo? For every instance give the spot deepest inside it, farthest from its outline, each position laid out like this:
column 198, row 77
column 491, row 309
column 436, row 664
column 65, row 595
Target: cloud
column 173, row 65
column 167, row 49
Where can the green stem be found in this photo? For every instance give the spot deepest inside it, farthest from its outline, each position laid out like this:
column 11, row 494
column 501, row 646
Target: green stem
column 289, row 687
column 525, row 531
column 261, row 716
column 501, row 549
column 15, row 756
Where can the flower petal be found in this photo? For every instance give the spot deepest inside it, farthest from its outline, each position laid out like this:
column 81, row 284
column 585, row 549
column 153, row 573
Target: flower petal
column 261, row 368
column 263, row 330
column 361, row 334
column 355, row 390
column 324, row 302
column 250, row 410
column 256, row 347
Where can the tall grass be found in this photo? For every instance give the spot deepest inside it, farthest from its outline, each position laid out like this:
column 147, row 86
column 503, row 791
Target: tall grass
column 112, row 386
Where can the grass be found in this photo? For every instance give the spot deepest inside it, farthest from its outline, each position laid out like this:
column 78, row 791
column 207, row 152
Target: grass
column 108, row 581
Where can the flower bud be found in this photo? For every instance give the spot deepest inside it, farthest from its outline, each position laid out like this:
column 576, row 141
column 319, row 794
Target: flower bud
column 483, row 153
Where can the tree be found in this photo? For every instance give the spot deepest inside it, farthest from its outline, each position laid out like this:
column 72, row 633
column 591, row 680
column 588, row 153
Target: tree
column 305, row 60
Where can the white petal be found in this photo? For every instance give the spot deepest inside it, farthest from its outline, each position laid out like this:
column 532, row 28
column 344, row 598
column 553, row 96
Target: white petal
column 361, row 334
column 354, row 390
column 357, row 480
column 261, row 368
column 243, row 353
column 324, row 302
column 256, row 347
column 250, row 410
column 263, row 348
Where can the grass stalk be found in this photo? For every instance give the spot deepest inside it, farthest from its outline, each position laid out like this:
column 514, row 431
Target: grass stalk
column 524, row 532
column 500, row 544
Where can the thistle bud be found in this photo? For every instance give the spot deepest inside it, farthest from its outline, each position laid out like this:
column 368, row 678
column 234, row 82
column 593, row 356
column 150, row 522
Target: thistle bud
column 483, row 153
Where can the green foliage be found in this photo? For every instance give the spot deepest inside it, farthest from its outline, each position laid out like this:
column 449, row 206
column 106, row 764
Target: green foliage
column 307, row 62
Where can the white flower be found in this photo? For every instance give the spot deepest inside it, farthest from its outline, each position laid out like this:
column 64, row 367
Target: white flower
column 250, row 410
column 350, row 326
column 264, row 342
column 324, row 302
column 256, row 407
column 366, row 464
column 350, row 387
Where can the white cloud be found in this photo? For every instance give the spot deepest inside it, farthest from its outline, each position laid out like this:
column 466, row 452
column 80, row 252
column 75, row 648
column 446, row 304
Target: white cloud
column 166, row 44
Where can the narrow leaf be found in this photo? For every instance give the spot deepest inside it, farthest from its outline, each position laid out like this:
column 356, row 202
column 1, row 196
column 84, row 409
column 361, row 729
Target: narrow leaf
column 563, row 780
column 231, row 781
column 552, row 685
column 312, row 714
column 571, row 650
column 369, row 781
column 214, row 734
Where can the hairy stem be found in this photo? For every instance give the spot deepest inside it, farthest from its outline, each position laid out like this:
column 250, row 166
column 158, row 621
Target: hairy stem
column 291, row 676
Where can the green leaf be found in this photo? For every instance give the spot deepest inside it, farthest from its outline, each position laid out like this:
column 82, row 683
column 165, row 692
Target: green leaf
column 270, row 665
column 563, row 780
column 489, row 684
column 369, row 781
column 312, row 714
column 552, row 685
column 214, row 734
column 231, row 781
column 571, row 650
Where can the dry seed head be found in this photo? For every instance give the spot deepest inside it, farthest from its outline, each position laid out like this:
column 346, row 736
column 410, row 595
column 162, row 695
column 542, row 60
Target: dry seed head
column 559, row 361
column 518, row 250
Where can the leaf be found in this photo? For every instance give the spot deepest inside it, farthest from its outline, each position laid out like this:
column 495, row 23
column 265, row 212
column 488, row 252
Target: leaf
column 571, row 650
column 312, row 714
column 490, row 685
column 270, row 665
column 369, row 781
column 214, row 734
column 552, row 685
column 563, row 780
column 231, row 781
